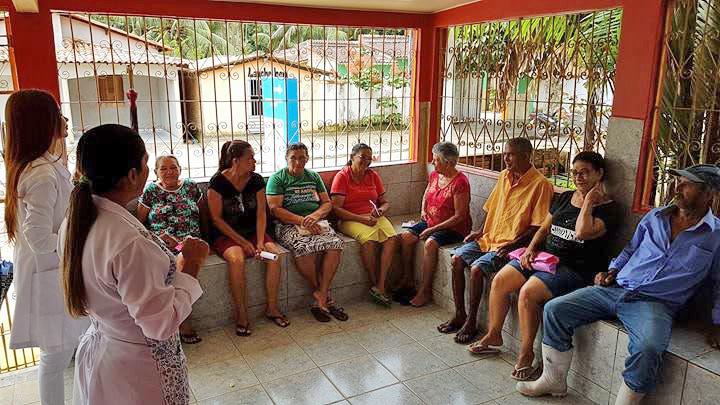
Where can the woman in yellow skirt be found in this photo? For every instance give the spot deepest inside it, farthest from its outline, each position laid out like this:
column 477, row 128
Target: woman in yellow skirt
column 358, row 197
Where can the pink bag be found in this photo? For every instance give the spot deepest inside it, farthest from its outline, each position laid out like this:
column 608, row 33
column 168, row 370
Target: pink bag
column 543, row 261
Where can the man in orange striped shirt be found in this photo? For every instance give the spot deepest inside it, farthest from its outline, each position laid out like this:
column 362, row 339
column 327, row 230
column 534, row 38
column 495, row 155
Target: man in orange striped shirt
column 515, row 210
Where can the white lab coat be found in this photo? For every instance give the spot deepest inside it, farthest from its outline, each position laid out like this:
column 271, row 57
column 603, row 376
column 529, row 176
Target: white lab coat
column 131, row 354
column 40, row 318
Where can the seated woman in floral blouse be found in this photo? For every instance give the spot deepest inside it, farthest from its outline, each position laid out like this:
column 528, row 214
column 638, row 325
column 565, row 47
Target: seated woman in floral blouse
column 169, row 207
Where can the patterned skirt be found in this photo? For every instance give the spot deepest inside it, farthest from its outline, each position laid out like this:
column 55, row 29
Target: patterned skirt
column 302, row 245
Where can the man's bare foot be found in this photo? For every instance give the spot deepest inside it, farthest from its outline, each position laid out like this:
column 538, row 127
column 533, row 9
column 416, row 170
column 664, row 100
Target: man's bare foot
column 453, row 324
column 420, row 300
column 467, row 333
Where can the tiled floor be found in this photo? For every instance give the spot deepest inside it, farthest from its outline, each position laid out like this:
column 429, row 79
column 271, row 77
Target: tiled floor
column 379, row 356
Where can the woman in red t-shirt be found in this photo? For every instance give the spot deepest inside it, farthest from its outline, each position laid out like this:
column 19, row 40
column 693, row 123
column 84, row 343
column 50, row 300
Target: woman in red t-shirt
column 444, row 219
column 358, row 197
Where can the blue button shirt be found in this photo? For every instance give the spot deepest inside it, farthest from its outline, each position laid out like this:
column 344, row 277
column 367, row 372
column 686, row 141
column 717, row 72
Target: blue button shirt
column 671, row 271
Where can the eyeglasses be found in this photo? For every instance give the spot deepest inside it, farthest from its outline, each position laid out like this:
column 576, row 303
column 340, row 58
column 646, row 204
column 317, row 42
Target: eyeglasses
column 579, row 173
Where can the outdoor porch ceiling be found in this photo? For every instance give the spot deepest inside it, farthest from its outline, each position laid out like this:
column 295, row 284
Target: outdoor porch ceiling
column 26, row 6
column 405, row 6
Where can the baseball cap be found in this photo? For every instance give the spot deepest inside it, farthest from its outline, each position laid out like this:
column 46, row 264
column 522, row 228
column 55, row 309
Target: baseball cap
column 706, row 174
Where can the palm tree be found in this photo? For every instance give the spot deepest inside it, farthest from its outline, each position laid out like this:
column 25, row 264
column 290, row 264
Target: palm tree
column 543, row 47
column 688, row 119
column 196, row 39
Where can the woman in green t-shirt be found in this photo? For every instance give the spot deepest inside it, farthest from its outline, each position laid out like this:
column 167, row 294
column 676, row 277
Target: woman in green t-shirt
column 299, row 201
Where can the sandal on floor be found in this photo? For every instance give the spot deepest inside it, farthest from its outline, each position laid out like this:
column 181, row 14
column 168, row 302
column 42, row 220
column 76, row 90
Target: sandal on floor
column 320, row 314
column 337, row 311
column 380, row 298
column 524, row 373
column 403, row 295
column 477, row 348
column 279, row 320
column 190, row 338
column 243, row 331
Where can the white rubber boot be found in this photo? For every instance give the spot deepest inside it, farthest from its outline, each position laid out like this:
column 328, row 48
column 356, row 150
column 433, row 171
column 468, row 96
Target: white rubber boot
column 553, row 380
column 627, row 396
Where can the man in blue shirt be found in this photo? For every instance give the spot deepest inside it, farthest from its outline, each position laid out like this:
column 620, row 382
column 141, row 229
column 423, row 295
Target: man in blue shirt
column 673, row 250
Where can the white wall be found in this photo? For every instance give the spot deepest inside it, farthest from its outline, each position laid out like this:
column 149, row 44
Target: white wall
column 158, row 104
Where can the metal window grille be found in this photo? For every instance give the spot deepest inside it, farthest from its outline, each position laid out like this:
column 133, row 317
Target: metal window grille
column 202, row 82
column 549, row 79
column 686, row 127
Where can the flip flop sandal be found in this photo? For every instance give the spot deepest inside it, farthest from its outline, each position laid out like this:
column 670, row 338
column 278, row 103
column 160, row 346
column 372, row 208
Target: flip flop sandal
column 338, row 312
column 320, row 314
column 243, row 331
column 380, row 298
column 279, row 320
column 190, row 338
column 479, row 349
column 529, row 372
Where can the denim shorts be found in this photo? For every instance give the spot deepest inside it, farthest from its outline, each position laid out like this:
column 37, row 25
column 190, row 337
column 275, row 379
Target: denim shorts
column 442, row 237
column 470, row 253
column 564, row 280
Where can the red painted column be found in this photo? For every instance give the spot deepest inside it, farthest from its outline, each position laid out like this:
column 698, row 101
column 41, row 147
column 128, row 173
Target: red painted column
column 34, row 51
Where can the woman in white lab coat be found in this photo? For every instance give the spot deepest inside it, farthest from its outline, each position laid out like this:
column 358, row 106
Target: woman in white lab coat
column 125, row 279
column 38, row 193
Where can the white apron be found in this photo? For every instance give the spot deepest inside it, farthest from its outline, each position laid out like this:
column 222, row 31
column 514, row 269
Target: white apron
column 131, row 354
column 40, row 318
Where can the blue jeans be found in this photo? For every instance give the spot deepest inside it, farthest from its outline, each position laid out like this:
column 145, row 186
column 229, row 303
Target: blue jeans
column 647, row 321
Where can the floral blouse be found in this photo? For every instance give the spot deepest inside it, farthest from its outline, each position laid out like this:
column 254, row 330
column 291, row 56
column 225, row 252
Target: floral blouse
column 173, row 212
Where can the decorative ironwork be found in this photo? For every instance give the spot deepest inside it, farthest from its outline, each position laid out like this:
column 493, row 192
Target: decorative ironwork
column 549, row 79
column 202, row 82
column 686, row 127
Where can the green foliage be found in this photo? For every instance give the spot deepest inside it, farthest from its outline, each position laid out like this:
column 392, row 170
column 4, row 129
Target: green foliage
column 197, row 39
column 367, row 79
column 387, row 104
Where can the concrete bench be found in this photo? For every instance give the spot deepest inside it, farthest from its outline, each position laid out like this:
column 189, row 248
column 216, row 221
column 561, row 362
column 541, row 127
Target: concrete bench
column 691, row 370
column 215, row 307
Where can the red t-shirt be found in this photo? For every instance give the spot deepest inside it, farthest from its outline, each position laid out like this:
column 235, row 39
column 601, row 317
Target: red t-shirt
column 439, row 202
column 358, row 195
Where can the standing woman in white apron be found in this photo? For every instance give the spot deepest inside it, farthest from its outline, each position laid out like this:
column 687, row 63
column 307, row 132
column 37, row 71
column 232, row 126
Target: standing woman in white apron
column 125, row 279
column 37, row 197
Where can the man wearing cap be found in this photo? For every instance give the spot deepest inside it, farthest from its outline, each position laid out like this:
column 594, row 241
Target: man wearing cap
column 674, row 249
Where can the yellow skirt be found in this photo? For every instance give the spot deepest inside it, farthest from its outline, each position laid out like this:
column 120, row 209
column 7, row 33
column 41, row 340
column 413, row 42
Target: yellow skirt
column 382, row 230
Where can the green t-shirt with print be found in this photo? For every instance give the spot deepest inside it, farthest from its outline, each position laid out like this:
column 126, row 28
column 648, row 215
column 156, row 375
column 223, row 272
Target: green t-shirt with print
column 301, row 195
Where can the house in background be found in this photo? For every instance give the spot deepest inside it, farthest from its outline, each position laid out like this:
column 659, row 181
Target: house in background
column 96, row 64
column 382, row 60
column 231, row 94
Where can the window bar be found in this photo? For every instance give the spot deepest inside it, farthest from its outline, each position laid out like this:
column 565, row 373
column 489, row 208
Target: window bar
column 202, row 128
column 112, row 67
column 408, row 35
column 336, row 118
column 166, row 74
column 459, row 120
column 243, row 102
column 77, row 78
column 324, row 95
column 131, row 80
column 230, row 67
column 469, row 76
column 214, row 73
column 258, row 80
column 286, row 100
